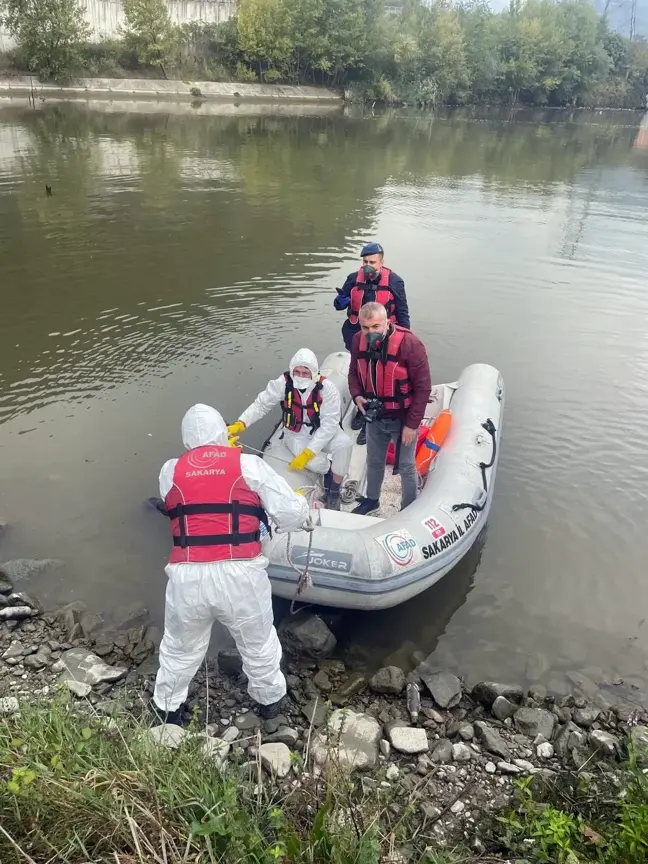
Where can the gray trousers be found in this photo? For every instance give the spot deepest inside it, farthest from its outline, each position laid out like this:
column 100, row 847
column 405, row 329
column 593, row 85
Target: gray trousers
column 379, row 434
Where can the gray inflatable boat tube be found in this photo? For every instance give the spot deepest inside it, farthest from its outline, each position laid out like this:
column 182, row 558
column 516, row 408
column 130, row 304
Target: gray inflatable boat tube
column 366, row 562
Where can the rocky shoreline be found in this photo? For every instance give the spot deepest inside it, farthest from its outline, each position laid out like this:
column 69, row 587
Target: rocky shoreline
column 449, row 754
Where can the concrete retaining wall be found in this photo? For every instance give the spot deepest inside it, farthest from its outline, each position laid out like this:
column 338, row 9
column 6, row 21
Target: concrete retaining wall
column 106, row 16
column 146, row 88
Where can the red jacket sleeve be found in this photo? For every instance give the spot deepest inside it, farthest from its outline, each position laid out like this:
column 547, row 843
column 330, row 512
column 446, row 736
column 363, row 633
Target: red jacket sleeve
column 355, row 385
column 414, row 356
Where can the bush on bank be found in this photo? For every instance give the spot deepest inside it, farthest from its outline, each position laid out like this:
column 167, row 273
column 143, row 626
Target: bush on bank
column 537, row 52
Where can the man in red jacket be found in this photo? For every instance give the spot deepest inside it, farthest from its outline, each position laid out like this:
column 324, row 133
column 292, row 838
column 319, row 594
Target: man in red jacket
column 389, row 380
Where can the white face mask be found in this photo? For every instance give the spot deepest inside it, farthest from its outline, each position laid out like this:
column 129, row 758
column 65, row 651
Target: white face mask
column 302, row 383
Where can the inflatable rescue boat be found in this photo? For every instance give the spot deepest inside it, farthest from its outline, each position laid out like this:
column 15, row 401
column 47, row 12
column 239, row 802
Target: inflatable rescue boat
column 374, row 562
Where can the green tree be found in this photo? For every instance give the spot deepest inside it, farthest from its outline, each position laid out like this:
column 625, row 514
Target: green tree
column 149, row 31
column 49, row 33
column 262, row 28
column 480, row 28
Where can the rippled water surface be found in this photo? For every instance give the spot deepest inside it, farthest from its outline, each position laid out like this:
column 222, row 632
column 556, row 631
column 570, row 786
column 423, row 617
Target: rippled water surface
column 184, row 258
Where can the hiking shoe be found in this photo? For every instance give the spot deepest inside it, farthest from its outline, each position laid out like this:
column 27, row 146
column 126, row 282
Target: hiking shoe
column 357, row 421
column 160, row 717
column 366, row 506
column 269, row 712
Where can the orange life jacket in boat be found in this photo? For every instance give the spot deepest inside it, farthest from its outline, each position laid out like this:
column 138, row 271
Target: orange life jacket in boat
column 214, row 514
column 387, row 378
column 383, row 295
column 296, row 412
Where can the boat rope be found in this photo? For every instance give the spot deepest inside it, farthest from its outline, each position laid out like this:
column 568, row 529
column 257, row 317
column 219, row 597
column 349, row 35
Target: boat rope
column 304, row 580
column 262, row 453
column 489, row 426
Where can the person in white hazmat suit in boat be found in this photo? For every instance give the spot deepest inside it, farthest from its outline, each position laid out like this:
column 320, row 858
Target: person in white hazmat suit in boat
column 311, row 408
column 217, row 500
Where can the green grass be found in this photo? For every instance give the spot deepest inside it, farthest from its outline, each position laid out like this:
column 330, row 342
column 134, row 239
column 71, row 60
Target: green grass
column 597, row 816
column 76, row 789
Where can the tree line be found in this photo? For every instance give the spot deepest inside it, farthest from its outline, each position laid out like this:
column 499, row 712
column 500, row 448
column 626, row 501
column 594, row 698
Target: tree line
column 535, row 52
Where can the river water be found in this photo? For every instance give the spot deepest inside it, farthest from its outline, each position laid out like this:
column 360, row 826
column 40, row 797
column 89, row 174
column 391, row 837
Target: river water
column 184, row 256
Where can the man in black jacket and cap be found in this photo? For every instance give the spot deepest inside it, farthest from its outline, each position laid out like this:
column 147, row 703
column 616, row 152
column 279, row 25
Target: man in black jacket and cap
column 372, row 283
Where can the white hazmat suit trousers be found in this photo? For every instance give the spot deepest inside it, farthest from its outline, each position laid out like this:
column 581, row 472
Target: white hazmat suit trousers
column 236, row 593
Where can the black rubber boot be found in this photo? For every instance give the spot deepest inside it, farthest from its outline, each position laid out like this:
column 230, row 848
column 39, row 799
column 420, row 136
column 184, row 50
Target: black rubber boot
column 357, row 421
column 362, row 436
column 333, row 496
column 367, row 505
column 159, row 716
column 269, row 712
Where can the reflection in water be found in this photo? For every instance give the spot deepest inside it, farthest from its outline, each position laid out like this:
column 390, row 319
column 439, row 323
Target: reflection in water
column 184, row 258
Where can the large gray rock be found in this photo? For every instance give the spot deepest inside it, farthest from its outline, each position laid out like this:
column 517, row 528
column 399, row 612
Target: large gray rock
column 15, row 649
column 442, row 751
column 6, row 586
column 35, row 661
column 284, row 735
column 389, row 680
column 349, row 688
column 566, row 739
column 275, row 758
column 585, row 717
column 248, row 722
column 351, row 740
column 73, row 618
column 307, row 635
column 82, row 665
column 322, row 681
column 604, row 742
column 315, row 712
column 20, row 598
column 78, row 688
column 461, row 752
column 9, row 705
column 165, row 735
column 444, row 686
column 487, row 692
column 18, row 613
column 24, row 568
column 215, row 749
column 535, row 721
column 503, row 709
column 409, row 739
column 491, row 740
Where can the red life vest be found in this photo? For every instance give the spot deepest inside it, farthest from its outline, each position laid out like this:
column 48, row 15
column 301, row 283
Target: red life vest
column 383, row 295
column 387, row 378
column 214, row 515
column 293, row 406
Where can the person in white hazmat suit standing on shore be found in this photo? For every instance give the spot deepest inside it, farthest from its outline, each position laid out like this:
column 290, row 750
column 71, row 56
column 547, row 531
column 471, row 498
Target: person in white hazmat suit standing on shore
column 311, row 409
column 217, row 500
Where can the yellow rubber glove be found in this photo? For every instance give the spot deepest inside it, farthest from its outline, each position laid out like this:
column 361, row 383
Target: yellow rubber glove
column 235, row 428
column 301, row 461
column 233, row 432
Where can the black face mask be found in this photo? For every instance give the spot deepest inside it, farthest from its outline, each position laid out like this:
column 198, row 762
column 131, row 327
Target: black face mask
column 375, row 342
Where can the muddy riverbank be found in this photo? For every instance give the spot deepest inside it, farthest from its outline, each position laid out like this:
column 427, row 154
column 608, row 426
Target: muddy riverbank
column 162, row 90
